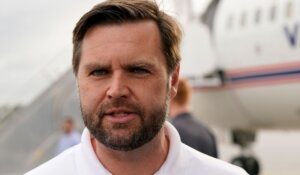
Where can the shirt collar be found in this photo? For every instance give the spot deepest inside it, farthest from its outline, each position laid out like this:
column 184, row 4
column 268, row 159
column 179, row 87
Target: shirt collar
column 87, row 160
column 174, row 150
column 88, row 163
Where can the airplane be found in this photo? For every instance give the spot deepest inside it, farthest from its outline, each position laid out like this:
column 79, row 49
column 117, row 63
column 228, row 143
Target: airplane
column 255, row 81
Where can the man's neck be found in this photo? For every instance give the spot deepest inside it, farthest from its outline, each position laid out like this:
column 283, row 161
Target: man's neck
column 145, row 160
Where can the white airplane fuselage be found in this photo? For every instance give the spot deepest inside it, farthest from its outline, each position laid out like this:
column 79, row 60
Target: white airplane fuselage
column 257, row 46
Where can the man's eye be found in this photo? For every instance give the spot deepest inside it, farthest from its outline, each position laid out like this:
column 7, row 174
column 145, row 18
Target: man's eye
column 99, row 72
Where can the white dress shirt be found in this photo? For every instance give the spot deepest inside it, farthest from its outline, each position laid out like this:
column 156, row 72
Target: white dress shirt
column 181, row 160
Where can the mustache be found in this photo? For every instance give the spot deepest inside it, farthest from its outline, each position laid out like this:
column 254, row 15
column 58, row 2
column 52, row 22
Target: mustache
column 119, row 103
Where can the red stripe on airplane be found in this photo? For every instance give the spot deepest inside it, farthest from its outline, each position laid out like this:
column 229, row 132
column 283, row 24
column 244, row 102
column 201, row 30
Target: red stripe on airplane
column 265, row 69
column 251, row 83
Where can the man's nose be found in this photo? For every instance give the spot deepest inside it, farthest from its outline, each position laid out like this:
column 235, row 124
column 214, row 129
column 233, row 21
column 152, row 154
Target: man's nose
column 118, row 87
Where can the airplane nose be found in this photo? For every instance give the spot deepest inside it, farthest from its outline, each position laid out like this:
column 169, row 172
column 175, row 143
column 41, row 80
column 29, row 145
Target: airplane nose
column 118, row 87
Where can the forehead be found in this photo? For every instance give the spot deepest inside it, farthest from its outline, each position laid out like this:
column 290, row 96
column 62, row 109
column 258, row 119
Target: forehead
column 138, row 31
column 130, row 39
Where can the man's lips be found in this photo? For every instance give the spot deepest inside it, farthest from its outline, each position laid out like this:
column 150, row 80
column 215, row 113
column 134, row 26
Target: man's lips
column 120, row 115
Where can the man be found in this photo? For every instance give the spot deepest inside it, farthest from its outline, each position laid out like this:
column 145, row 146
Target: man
column 70, row 136
column 192, row 132
column 126, row 62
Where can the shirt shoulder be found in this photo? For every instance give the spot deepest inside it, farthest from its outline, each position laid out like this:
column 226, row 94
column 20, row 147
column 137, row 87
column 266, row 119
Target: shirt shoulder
column 195, row 161
column 63, row 164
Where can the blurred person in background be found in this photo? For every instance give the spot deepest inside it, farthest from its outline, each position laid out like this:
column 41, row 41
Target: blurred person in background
column 192, row 132
column 70, row 136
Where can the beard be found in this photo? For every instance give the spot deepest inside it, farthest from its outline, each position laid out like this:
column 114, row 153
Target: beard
column 137, row 133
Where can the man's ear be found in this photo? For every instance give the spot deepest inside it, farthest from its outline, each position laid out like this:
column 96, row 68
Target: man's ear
column 174, row 82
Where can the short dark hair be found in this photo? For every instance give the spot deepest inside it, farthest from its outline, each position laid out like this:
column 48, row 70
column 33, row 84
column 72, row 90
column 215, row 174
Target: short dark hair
column 122, row 11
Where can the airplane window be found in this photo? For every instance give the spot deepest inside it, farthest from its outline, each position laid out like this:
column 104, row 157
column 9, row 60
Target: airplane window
column 289, row 9
column 273, row 13
column 243, row 19
column 257, row 16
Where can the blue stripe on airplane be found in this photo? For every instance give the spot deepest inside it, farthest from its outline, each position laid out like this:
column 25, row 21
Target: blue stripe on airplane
column 263, row 75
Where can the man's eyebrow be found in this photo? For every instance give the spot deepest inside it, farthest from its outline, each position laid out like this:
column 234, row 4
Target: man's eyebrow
column 141, row 65
column 93, row 66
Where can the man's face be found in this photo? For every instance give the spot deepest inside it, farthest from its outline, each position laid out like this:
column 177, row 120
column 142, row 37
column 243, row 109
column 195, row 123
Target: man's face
column 123, row 84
